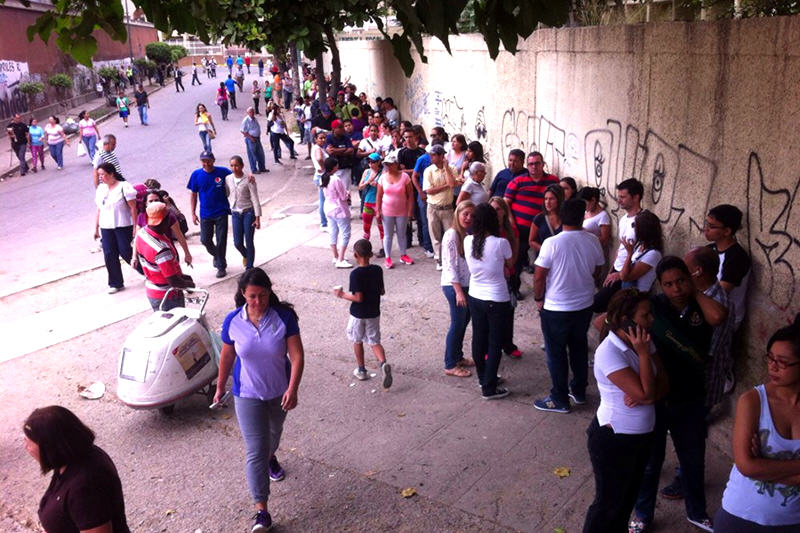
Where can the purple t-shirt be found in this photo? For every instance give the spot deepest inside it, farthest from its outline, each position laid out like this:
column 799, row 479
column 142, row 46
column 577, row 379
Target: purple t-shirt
column 262, row 368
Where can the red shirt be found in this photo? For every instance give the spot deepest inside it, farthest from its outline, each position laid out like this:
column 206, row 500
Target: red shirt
column 159, row 260
column 526, row 197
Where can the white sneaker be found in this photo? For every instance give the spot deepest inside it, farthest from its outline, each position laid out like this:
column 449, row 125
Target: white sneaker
column 343, row 264
column 335, row 260
column 361, row 375
column 438, row 266
column 429, row 254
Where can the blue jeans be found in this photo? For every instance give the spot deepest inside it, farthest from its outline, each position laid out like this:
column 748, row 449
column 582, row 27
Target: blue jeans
column 459, row 318
column 116, row 243
column 57, row 153
column 276, row 139
column 243, row 231
column 261, row 424
column 687, row 427
column 421, row 212
column 206, row 140
column 323, row 220
column 567, row 347
column 255, row 154
column 22, row 155
column 488, row 331
column 90, row 141
column 142, row 114
column 211, row 229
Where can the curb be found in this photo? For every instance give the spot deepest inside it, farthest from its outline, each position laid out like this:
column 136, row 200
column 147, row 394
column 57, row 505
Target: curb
column 12, row 170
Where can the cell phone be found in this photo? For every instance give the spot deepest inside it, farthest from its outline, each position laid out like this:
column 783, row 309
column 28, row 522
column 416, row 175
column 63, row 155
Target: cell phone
column 218, row 405
column 627, row 325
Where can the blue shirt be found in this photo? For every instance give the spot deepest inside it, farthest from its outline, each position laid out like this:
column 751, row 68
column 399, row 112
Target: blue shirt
column 423, row 162
column 230, row 85
column 36, row 133
column 210, row 187
column 501, row 181
column 262, row 368
column 345, row 161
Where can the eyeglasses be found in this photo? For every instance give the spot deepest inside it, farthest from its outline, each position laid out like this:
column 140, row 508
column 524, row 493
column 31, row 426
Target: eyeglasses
column 712, row 226
column 781, row 364
column 535, row 163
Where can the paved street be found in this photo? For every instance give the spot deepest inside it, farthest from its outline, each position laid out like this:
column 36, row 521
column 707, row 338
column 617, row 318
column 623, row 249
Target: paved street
column 349, row 448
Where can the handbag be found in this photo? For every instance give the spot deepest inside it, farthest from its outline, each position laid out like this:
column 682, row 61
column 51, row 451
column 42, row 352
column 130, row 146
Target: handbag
column 81, row 149
column 212, row 134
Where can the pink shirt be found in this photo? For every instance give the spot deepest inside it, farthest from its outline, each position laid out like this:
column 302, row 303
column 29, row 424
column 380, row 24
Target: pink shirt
column 88, row 127
column 336, row 198
column 395, row 201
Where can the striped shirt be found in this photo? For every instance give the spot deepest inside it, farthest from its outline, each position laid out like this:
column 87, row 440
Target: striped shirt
column 526, row 197
column 159, row 260
column 107, row 157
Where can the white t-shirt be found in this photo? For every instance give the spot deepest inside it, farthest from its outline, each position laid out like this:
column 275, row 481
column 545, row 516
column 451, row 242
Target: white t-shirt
column 610, row 356
column 592, row 224
column 315, row 151
column 487, row 281
column 477, row 193
column 648, row 257
column 571, row 257
column 454, row 267
column 628, row 232
column 113, row 205
column 368, row 145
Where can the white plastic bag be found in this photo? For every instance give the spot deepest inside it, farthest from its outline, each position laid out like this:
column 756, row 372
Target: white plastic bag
column 81, row 149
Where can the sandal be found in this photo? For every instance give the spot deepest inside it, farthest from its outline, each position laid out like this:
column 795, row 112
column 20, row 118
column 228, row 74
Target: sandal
column 466, row 362
column 458, row 372
column 637, row 525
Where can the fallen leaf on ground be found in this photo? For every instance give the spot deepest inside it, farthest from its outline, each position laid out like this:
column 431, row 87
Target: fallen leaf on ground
column 170, row 512
column 562, row 472
column 401, row 415
column 559, row 530
column 409, row 492
column 370, row 473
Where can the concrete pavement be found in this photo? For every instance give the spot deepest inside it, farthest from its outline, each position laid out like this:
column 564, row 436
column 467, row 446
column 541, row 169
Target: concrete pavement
column 349, row 448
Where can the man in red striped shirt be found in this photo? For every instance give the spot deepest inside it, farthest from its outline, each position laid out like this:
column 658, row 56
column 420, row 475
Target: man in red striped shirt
column 525, row 197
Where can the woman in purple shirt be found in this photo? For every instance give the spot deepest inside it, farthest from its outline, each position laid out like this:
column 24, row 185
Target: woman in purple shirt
column 256, row 339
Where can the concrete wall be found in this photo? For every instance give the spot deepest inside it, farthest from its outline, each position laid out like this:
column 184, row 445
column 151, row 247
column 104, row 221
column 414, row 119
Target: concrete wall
column 703, row 113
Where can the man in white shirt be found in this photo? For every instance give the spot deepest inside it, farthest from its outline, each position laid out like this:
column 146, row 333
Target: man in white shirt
column 629, row 198
column 563, row 288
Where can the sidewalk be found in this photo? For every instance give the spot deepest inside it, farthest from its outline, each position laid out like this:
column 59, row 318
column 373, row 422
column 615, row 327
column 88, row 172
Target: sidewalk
column 10, row 166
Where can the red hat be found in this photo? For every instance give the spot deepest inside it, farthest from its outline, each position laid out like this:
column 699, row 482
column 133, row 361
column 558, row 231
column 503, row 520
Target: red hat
column 336, row 124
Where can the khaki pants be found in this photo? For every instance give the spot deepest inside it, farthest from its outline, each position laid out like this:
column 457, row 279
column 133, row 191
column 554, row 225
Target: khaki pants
column 439, row 221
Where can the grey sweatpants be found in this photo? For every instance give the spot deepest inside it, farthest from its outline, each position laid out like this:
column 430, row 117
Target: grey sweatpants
column 261, row 424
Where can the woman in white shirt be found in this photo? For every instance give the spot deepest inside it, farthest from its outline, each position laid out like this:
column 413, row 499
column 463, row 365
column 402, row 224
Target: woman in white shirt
column 620, row 435
column 56, row 139
column 245, row 210
column 116, row 212
column 489, row 300
column 473, row 188
column 318, row 157
column 596, row 219
column 639, row 270
column 455, row 285
column 337, row 211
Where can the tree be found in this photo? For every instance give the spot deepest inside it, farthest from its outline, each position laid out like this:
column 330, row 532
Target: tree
column 159, row 53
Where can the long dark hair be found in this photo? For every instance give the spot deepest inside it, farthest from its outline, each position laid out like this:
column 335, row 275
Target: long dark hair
column 484, row 224
column 108, row 168
column 61, row 436
column 257, row 277
column 648, row 231
column 477, row 151
column 330, row 164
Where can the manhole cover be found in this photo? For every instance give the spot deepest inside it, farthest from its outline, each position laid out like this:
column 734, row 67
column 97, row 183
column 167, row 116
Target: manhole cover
column 299, row 209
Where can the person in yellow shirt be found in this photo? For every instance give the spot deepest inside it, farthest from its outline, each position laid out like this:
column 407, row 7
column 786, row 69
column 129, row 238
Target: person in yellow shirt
column 438, row 181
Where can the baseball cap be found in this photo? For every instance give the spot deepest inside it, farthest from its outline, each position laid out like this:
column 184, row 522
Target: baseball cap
column 156, row 211
column 374, row 156
column 437, row 149
column 336, row 124
column 391, row 158
column 207, row 154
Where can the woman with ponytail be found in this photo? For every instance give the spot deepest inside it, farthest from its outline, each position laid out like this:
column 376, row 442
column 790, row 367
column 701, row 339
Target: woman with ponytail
column 257, row 336
column 489, row 301
column 337, row 210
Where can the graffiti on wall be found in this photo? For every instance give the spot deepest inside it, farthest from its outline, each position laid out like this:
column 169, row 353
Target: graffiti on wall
column 523, row 130
column 448, row 114
column 772, row 212
column 11, row 99
column 417, row 97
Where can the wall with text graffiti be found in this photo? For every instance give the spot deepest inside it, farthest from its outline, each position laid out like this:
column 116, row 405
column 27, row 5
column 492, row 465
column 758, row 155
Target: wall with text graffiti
column 701, row 113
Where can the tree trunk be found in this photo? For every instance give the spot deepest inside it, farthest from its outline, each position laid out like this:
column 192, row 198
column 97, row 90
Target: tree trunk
column 322, row 87
column 336, row 64
column 298, row 81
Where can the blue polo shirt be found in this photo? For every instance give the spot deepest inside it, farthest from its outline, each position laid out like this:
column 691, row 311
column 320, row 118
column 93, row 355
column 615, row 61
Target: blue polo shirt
column 501, row 181
column 262, row 368
column 230, row 85
column 210, row 187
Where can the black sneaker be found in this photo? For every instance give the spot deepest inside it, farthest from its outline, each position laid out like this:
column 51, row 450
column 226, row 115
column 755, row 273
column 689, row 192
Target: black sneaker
column 386, row 372
column 673, row 491
column 263, row 522
column 498, row 393
column 221, row 273
column 578, row 399
column 276, row 472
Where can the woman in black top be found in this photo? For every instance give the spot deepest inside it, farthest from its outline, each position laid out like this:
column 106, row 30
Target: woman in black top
column 85, row 492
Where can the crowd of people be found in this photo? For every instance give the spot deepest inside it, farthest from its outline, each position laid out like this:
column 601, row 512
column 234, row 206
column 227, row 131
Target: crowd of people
column 667, row 324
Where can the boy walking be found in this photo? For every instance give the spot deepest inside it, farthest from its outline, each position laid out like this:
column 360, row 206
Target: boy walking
column 365, row 291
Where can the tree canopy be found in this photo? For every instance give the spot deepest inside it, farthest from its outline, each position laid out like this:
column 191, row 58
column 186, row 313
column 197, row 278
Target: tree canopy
column 309, row 24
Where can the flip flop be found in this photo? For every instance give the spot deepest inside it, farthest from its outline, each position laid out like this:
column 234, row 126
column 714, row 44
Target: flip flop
column 466, row 362
column 458, row 372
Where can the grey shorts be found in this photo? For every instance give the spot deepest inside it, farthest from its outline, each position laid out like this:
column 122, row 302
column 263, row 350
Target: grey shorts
column 364, row 330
